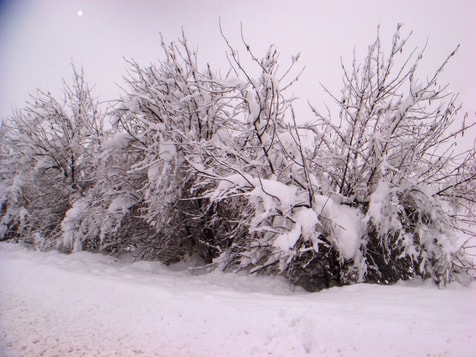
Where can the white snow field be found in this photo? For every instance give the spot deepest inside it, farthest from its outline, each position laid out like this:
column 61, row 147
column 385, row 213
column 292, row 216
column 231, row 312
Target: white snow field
column 92, row 305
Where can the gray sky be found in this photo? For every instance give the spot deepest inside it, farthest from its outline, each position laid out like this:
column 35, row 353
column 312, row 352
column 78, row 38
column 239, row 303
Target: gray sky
column 39, row 39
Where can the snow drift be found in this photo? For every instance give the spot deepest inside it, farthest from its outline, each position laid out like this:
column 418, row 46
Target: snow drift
column 92, row 305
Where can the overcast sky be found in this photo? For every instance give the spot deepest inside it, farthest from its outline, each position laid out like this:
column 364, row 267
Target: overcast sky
column 39, row 39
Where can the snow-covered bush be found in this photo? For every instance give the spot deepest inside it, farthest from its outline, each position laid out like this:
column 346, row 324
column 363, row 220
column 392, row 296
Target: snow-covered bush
column 12, row 214
column 194, row 129
column 50, row 155
column 264, row 175
column 391, row 155
column 174, row 114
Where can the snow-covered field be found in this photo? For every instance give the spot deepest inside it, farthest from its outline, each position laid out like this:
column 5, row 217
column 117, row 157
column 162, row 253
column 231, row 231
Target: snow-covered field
column 91, row 305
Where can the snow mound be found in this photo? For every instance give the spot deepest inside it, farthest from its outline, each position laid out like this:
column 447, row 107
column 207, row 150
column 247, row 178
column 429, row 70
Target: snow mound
column 349, row 225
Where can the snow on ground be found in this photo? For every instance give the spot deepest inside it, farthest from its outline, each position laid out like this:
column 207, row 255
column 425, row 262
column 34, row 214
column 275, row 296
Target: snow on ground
column 91, row 305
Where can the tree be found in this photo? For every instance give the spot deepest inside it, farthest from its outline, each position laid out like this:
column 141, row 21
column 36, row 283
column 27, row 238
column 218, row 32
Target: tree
column 172, row 113
column 263, row 174
column 392, row 155
column 50, row 149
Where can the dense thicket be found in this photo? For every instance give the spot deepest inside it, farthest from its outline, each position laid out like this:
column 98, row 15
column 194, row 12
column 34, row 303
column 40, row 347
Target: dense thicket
column 193, row 163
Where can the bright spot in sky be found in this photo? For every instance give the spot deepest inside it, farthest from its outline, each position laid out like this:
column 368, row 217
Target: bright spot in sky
column 80, row 13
